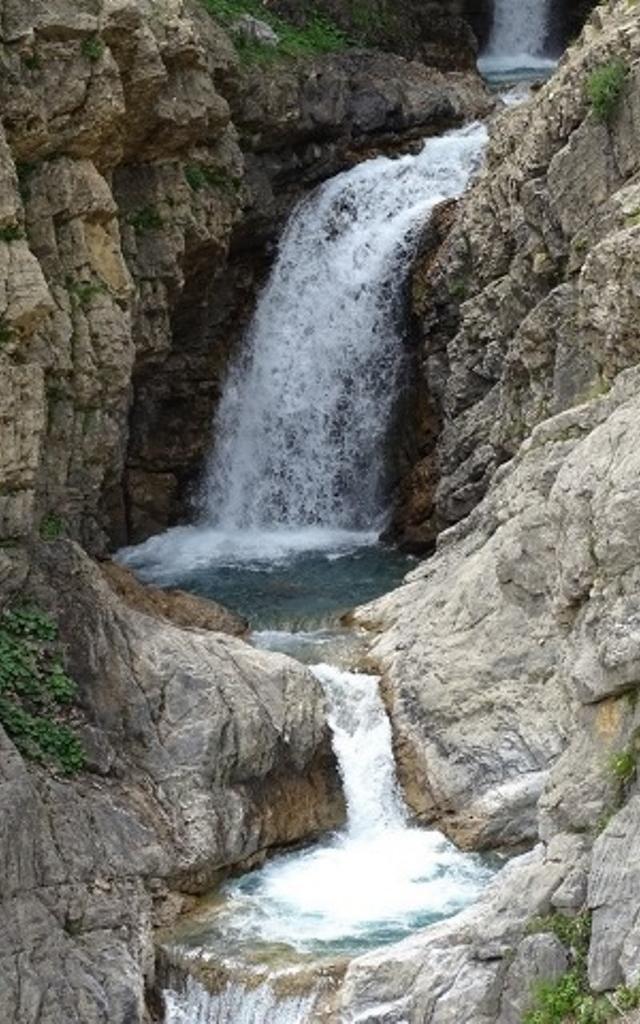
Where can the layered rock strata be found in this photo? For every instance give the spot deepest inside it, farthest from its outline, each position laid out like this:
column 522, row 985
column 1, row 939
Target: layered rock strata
column 202, row 754
column 145, row 172
column 513, row 323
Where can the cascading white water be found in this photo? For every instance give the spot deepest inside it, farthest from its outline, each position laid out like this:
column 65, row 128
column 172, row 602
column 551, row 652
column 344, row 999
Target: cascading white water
column 299, row 459
column 518, row 37
column 375, row 881
column 299, row 468
column 305, row 414
column 236, row 1004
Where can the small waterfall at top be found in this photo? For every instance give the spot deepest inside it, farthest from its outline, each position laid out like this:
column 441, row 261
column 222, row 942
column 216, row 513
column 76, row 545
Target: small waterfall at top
column 518, row 38
column 374, row 882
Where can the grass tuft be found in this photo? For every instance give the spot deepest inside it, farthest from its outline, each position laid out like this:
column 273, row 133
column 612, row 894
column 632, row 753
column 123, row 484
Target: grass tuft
column 604, row 89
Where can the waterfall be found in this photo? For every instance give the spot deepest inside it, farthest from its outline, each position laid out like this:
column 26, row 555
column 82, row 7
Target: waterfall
column 236, row 1004
column 363, row 747
column 519, row 36
column 298, row 463
column 302, row 424
column 376, row 881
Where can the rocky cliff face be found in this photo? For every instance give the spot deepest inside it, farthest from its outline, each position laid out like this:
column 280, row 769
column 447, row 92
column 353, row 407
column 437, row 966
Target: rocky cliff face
column 140, row 162
column 201, row 754
column 144, row 174
column 511, row 322
column 511, row 657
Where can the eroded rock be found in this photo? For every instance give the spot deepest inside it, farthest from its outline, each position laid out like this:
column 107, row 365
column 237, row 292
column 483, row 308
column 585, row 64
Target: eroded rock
column 203, row 753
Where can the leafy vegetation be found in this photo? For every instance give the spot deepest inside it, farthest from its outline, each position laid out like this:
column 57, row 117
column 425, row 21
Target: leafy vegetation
column 573, row 932
column 200, row 176
column 569, row 1000
column 622, row 766
column 319, row 35
column 35, row 691
column 92, row 48
column 11, row 233
column 604, row 88
column 51, row 527
column 146, row 219
column 83, row 292
column 6, row 332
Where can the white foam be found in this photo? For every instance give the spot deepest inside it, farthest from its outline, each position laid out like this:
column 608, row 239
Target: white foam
column 503, row 65
column 185, row 549
column 379, row 873
column 519, row 31
column 302, row 424
column 236, row 1004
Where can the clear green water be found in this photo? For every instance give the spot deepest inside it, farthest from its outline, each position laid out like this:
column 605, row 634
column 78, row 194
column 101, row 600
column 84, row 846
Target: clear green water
column 283, row 588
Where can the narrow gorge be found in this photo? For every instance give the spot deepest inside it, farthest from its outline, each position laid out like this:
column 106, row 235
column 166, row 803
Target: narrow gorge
column 319, row 571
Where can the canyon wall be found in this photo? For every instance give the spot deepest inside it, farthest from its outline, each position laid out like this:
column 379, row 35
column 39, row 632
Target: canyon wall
column 510, row 658
column 506, row 295
column 145, row 172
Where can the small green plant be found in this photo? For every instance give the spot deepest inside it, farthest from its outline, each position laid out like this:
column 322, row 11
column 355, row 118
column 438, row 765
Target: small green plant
column 146, row 219
column 6, row 332
column 35, row 691
column 569, row 1000
column 458, row 289
column 626, row 998
column 573, row 932
column 622, row 766
column 557, row 1001
column 51, row 527
column 32, row 62
column 604, row 89
column 11, row 233
column 83, row 292
column 92, row 48
column 200, row 176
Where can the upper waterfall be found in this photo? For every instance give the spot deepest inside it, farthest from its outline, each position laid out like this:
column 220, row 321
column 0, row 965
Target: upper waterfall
column 518, row 37
column 301, row 429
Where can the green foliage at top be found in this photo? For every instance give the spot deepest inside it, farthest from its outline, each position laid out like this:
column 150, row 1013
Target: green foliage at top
column 569, row 1000
column 35, row 691
column 319, row 35
column 604, row 88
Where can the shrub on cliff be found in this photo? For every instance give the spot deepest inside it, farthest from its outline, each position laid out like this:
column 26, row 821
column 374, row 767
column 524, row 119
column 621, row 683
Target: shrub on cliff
column 318, row 35
column 604, row 88
column 35, row 691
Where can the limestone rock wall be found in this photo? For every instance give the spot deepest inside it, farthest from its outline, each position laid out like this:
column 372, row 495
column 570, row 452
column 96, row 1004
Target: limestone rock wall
column 511, row 668
column 145, row 175
column 202, row 753
column 513, row 321
column 510, row 658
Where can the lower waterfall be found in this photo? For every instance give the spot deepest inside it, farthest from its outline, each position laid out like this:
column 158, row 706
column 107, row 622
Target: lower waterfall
column 372, row 883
